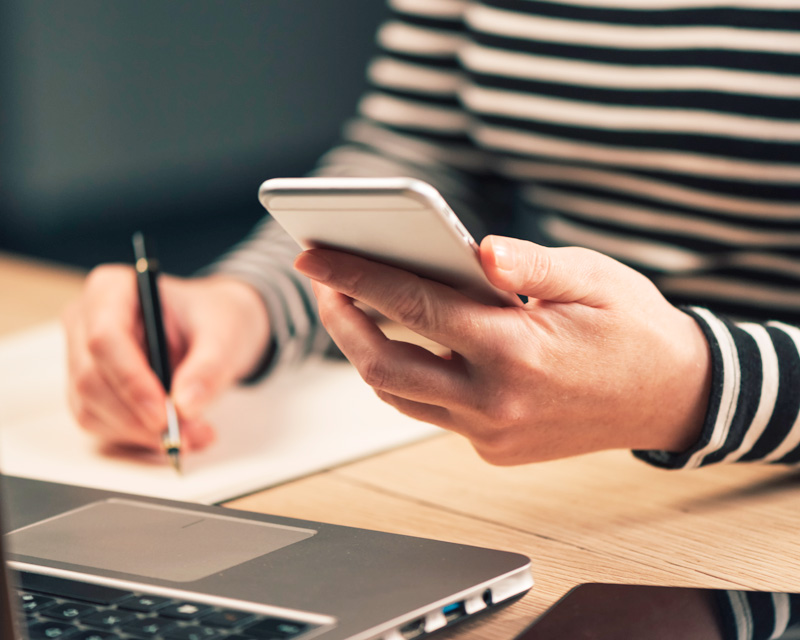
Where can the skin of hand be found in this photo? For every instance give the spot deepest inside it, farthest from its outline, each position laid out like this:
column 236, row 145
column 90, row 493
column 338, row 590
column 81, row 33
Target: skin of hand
column 217, row 328
column 597, row 358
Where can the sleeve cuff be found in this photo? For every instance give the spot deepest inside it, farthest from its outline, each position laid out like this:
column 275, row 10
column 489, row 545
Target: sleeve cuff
column 718, row 406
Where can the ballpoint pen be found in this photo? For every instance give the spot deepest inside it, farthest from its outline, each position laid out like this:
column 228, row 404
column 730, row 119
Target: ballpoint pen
column 146, row 265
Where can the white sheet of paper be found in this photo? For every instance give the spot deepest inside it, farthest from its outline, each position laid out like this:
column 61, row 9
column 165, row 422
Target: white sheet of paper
column 296, row 423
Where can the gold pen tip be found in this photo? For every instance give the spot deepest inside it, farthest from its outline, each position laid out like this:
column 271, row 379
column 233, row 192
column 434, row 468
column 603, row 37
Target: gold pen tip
column 175, row 460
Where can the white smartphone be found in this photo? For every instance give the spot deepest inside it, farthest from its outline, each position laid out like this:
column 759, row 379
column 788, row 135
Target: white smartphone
column 401, row 222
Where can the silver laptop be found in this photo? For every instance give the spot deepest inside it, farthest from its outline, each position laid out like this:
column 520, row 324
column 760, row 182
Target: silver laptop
column 94, row 565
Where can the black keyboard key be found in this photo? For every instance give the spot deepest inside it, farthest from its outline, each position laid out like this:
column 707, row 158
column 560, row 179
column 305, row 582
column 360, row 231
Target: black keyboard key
column 51, row 631
column 33, row 604
column 228, row 619
column 144, row 604
column 276, row 629
column 95, row 635
column 194, row 632
column 67, row 611
column 108, row 619
column 148, row 627
column 185, row 611
column 95, row 593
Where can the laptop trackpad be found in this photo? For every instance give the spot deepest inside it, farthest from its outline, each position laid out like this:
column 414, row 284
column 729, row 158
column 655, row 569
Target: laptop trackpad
column 149, row 540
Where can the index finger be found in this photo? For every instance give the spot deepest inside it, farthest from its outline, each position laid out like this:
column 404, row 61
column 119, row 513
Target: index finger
column 429, row 308
column 112, row 328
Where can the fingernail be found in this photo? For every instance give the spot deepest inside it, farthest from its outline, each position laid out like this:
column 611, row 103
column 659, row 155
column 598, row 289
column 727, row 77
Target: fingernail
column 313, row 266
column 504, row 255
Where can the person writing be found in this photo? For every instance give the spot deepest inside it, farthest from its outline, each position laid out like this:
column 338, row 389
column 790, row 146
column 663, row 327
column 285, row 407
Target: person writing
column 633, row 168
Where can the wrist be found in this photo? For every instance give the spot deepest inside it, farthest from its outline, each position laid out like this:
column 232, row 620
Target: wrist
column 692, row 382
column 252, row 321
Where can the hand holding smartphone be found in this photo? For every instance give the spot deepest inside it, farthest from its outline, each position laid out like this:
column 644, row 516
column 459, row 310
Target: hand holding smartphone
column 401, row 222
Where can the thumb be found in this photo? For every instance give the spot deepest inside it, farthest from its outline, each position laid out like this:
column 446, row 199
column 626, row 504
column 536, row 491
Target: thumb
column 202, row 375
column 568, row 274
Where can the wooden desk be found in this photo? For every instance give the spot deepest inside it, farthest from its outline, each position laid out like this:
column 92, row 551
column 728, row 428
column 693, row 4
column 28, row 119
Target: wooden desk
column 601, row 517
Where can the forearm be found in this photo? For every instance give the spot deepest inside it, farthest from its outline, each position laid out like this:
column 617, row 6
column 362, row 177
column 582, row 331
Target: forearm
column 264, row 260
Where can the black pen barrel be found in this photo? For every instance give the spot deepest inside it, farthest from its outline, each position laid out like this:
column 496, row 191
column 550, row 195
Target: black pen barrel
column 146, row 265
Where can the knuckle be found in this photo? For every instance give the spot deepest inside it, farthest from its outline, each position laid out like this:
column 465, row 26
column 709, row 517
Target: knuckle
column 497, row 448
column 498, row 408
column 99, row 341
column 84, row 418
column 87, row 383
column 486, row 454
column 413, row 308
column 106, row 274
column 81, row 413
column 538, row 267
column 375, row 372
column 508, row 413
column 500, row 442
column 130, row 385
column 386, row 397
column 350, row 282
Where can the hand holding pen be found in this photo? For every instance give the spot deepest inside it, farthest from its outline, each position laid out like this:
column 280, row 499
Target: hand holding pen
column 146, row 265
column 216, row 328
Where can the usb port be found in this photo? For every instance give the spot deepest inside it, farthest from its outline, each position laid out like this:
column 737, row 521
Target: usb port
column 413, row 629
column 455, row 611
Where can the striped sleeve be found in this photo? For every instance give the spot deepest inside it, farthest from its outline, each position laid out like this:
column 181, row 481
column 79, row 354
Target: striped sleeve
column 412, row 121
column 264, row 261
column 754, row 615
column 663, row 133
column 753, row 409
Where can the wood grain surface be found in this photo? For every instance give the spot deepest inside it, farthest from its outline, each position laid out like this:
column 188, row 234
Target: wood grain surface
column 603, row 517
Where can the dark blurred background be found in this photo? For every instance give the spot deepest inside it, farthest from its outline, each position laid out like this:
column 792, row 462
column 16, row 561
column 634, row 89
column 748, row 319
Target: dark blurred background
column 165, row 116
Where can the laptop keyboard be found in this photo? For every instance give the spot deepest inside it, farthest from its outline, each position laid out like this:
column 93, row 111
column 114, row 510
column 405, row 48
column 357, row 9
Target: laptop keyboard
column 58, row 608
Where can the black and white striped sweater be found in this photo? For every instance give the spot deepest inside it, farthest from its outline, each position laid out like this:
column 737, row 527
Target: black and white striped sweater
column 663, row 133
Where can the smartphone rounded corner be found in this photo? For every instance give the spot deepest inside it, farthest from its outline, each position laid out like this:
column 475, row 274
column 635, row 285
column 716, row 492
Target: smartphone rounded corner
column 423, row 193
column 266, row 191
